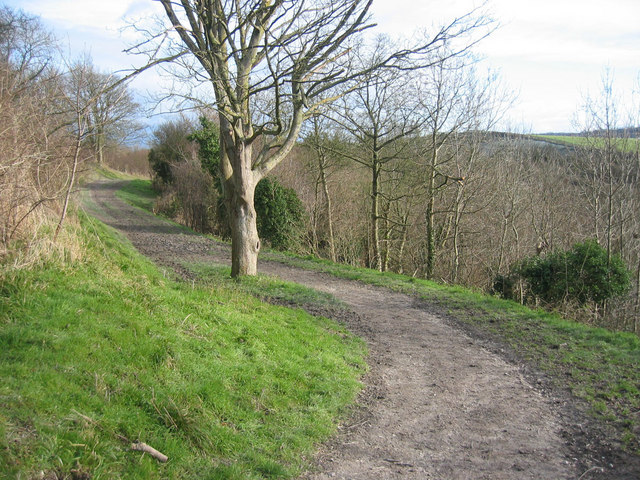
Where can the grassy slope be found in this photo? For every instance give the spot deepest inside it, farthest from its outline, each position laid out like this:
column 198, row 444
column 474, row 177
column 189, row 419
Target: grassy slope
column 628, row 144
column 96, row 355
column 139, row 194
column 597, row 365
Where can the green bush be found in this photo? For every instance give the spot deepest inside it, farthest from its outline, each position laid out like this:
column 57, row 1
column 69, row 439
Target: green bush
column 280, row 214
column 169, row 147
column 279, row 210
column 208, row 140
column 583, row 274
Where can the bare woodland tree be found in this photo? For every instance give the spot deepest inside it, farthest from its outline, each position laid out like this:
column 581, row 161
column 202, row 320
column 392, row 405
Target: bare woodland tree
column 77, row 103
column 318, row 140
column 111, row 118
column 445, row 104
column 379, row 116
column 270, row 64
column 602, row 168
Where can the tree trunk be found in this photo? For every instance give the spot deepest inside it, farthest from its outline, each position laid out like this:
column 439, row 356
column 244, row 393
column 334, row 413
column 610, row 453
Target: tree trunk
column 386, row 247
column 403, row 242
column 375, row 214
column 72, row 177
column 100, row 145
column 610, row 193
column 327, row 196
column 245, row 243
column 456, row 237
column 240, row 184
column 429, row 213
column 315, row 243
column 431, row 243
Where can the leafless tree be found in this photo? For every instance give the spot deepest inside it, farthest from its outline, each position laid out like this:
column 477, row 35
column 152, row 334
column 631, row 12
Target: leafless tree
column 270, row 64
column 379, row 116
column 111, row 119
column 606, row 164
column 325, row 159
column 446, row 89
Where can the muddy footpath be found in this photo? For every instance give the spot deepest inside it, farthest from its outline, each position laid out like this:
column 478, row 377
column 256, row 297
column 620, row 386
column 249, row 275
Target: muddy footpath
column 438, row 403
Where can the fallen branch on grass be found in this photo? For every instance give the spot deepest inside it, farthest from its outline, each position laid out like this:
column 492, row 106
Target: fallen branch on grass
column 138, row 446
column 143, row 447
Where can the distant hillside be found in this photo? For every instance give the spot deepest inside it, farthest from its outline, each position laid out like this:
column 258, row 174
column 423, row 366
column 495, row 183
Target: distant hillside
column 628, row 132
column 624, row 143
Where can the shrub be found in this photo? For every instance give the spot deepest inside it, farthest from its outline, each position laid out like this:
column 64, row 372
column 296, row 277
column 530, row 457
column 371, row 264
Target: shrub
column 196, row 196
column 170, row 146
column 280, row 214
column 582, row 274
column 208, row 140
column 504, row 286
column 195, row 192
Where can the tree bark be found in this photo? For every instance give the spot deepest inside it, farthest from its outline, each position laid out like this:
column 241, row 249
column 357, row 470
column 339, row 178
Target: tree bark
column 387, row 238
column 239, row 193
column 429, row 214
column 245, row 243
column 327, row 196
column 100, row 141
column 375, row 213
column 74, row 169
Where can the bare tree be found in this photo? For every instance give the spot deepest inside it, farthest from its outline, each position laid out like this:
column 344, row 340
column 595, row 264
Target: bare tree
column 111, row 119
column 379, row 116
column 270, row 64
column 444, row 104
column 78, row 108
column 484, row 103
column 324, row 161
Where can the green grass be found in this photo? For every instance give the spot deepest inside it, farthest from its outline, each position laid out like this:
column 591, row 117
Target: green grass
column 266, row 288
column 138, row 193
column 94, row 356
column 624, row 144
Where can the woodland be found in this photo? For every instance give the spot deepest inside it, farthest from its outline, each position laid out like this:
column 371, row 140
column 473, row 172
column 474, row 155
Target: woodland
column 401, row 171
column 499, row 212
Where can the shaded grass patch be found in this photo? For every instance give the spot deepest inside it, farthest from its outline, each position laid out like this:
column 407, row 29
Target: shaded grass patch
column 267, row 288
column 138, row 193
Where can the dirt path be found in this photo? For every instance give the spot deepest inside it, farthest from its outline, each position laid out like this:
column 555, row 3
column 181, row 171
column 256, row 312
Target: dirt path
column 437, row 404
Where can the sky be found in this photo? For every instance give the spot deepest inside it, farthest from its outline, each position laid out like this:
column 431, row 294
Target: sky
column 551, row 53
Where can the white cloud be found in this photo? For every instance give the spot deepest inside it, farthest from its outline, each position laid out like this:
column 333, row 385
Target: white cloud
column 553, row 51
column 89, row 13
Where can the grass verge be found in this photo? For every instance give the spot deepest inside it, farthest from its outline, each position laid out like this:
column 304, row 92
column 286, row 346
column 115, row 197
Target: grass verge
column 97, row 355
column 138, row 193
column 628, row 145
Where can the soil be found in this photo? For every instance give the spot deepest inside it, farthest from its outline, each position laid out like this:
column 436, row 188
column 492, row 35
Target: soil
column 440, row 401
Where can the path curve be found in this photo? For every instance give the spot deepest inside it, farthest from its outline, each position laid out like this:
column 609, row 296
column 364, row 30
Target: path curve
column 440, row 405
